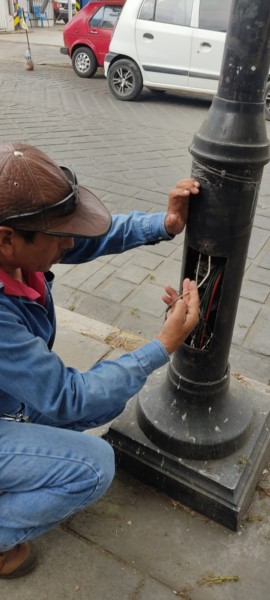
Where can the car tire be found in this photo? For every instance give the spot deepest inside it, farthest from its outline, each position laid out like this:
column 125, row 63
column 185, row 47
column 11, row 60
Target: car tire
column 125, row 79
column 267, row 102
column 84, row 62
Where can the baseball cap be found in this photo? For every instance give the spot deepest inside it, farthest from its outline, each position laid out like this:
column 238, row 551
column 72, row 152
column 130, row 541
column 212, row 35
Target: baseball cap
column 38, row 195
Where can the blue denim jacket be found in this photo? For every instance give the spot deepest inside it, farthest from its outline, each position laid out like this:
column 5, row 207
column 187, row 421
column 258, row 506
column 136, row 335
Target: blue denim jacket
column 32, row 374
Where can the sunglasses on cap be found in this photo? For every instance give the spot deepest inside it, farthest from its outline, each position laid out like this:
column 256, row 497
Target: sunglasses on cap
column 60, row 209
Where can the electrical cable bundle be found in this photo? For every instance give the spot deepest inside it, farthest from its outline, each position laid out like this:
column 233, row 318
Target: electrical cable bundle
column 203, row 333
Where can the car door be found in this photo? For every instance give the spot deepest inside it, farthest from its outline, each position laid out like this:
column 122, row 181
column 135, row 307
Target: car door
column 100, row 27
column 163, row 40
column 208, row 40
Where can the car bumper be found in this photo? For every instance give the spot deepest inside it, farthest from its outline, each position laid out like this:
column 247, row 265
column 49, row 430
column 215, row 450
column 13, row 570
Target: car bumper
column 108, row 59
column 63, row 50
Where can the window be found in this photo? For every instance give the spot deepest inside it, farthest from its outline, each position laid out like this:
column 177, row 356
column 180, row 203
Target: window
column 147, row 10
column 106, row 17
column 214, row 15
column 175, row 12
column 97, row 18
column 111, row 14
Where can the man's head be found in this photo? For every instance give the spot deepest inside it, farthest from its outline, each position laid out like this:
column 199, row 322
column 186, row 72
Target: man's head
column 38, row 195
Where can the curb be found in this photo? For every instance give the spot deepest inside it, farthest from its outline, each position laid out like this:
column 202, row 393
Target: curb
column 96, row 330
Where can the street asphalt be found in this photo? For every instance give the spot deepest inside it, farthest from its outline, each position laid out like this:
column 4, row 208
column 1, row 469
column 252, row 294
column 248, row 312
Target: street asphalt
column 137, row 543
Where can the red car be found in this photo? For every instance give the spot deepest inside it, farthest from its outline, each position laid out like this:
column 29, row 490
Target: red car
column 87, row 36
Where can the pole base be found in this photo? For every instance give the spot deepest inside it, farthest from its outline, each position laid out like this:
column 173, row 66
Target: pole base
column 211, row 425
column 220, row 489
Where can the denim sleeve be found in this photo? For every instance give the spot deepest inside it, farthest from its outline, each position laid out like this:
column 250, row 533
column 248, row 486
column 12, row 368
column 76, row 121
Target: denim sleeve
column 38, row 378
column 126, row 232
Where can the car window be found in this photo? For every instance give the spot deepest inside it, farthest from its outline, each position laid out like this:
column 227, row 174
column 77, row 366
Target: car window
column 176, row 12
column 106, row 16
column 214, row 15
column 147, row 10
column 111, row 14
column 97, row 18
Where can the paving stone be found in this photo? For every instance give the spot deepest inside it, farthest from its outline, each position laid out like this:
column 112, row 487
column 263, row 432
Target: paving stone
column 115, row 291
column 100, row 309
column 262, row 221
column 168, row 272
column 146, row 260
column 255, row 291
column 245, row 317
column 78, row 274
column 245, row 361
column 154, row 197
column 259, row 336
column 136, row 321
column 118, row 260
column 80, row 564
column 64, row 295
column 61, row 270
column 97, row 278
column 147, row 299
column 259, row 274
column 129, row 204
column 265, row 261
column 257, row 241
column 144, row 154
column 133, row 274
column 177, row 254
column 163, row 248
column 126, row 190
column 78, row 351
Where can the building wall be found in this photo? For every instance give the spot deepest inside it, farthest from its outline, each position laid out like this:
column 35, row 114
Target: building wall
column 6, row 16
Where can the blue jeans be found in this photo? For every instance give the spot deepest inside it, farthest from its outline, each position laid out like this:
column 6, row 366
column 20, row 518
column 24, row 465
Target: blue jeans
column 46, row 475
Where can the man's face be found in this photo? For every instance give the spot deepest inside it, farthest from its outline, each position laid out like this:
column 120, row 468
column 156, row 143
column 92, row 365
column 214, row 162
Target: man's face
column 42, row 253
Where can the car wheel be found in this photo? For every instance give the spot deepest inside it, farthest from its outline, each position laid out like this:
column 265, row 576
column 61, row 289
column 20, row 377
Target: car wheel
column 84, row 62
column 267, row 102
column 125, row 79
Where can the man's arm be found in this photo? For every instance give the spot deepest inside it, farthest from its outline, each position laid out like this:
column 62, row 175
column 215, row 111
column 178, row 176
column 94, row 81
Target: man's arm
column 137, row 228
column 33, row 375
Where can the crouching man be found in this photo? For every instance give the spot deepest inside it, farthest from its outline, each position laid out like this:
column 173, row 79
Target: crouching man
column 48, row 470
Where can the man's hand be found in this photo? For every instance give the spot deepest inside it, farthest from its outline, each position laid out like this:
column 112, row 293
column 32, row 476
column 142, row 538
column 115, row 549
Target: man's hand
column 177, row 211
column 182, row 318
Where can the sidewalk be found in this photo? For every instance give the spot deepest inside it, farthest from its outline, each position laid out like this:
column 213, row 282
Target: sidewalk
column 49, row 36
column 44, row 43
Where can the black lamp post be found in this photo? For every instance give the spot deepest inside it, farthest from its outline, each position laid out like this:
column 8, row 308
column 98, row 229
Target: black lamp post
column 193, row 417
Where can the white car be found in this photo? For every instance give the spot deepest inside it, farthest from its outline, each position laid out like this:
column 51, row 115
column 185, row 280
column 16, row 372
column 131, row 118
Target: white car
column 169, row 45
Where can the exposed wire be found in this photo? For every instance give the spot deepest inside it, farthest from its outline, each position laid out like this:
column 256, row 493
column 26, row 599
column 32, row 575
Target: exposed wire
column 203, row 333
column 209, row 309
column 196, row 279
column 207, row 274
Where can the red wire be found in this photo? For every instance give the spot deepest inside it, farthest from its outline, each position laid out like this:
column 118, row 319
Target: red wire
column 209, row 308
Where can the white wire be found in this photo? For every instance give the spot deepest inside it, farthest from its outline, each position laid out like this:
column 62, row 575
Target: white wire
column 197, row 269
column 196, row 279
column 207, row 274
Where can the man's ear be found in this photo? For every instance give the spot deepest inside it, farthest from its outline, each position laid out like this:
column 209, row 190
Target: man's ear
column 7, row 237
